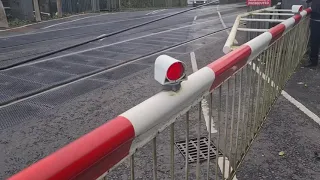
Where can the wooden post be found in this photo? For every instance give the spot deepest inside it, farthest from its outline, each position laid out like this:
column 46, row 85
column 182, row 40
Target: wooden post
column 36, row 10
column 50, row 9
column 59, row 8
column 95, row 5
column 3, row 17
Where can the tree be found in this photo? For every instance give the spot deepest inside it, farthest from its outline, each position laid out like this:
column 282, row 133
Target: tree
column 3, row 17
column 59, row 8
column 36, row 10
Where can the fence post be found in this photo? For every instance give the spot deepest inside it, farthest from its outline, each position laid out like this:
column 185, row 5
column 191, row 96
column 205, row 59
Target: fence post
column 36, row 10
column 50, row 9
column 3, row 17
column 95, row 5
column 59, row 8
column 112, row 4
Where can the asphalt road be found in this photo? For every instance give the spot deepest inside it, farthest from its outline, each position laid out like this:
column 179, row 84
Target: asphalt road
column 47, row 103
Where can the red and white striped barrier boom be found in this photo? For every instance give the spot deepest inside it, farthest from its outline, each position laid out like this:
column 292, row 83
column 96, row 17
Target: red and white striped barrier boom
column 95, row 153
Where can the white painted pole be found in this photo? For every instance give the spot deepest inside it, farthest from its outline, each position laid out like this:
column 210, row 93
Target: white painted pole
column 59, row 8
column 37, row 10
column 3, row 17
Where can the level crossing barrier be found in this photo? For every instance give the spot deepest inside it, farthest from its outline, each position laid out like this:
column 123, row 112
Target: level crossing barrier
column 254, row 23
column 202, row 130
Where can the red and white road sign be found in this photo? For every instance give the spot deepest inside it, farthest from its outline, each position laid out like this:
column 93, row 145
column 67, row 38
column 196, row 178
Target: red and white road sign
column 259, row 2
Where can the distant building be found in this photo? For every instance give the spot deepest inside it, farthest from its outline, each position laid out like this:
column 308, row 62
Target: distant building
column 3, row 17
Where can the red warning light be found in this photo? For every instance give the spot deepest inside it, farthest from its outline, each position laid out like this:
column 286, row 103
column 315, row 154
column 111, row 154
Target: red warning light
column 175, row 71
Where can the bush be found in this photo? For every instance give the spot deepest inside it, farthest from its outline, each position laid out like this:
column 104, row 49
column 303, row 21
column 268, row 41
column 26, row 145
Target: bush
column 17, row 22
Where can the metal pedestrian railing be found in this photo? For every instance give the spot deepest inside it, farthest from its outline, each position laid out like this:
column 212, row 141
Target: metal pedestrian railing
column 254, row 23
column 201, row 131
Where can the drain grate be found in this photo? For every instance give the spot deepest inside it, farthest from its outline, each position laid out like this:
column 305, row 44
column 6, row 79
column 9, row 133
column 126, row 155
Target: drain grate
column 192, row 145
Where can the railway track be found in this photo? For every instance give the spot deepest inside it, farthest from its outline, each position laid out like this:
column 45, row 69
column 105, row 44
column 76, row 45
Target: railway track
column 95, row 72
column 71, row 37
column 31, row 93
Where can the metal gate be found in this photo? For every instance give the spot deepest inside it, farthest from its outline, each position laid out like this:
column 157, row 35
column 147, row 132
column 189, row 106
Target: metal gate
column 202, row 131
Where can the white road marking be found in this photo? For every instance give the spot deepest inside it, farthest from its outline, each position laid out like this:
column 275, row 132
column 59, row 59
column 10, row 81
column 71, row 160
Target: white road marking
column 160, row 11
column 195, row 18
column 205, row 111
column 155, row 11
column 127, row 40
column 288, row 97
column 193, row 62
column 204, row 103
column 301, row 107
column 75, row 27
column 264, row 76
column 151, row 12
column 53, row 25
column 224, row 25
column 101, row 35
column 226, row 167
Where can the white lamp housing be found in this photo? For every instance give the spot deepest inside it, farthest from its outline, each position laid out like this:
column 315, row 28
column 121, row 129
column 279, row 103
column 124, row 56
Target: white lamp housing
column 166, row 67
column 296, row 8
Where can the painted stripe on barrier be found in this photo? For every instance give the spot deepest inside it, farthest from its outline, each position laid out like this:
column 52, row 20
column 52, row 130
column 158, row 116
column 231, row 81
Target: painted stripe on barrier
column 259, row 44
column 95, row 153
column 308, row 10
column 289, row 23
column 297, row 18
column 277, row 31
column 86, row 158
column 166, row 104
column 304, row 13
column 229, row 64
